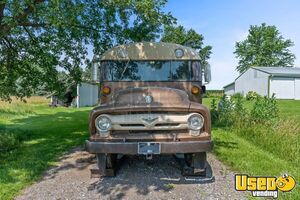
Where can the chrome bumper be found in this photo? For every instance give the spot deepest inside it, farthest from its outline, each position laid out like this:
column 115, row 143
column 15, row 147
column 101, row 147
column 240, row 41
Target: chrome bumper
column 132, row 147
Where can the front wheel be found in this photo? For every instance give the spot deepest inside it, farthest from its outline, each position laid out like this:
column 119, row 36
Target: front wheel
column 195, row 164
column 106, row 164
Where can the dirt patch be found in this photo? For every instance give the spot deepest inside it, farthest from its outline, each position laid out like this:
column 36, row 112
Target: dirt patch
column 137, row 178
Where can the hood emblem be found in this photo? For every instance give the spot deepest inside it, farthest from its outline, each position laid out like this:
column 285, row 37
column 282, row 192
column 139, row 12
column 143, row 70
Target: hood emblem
column 149, row 119
column 148, row 99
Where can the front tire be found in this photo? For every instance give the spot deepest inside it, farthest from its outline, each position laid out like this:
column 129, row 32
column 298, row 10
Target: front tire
column 107, row 164
column 195, row 164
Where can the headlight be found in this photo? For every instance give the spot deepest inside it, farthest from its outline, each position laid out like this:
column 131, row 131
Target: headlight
column 103, row 124
column 195, row 122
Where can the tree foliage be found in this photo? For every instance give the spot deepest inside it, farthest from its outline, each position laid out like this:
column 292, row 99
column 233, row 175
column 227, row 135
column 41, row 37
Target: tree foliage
column 38, row 38
column 264, row 46
column 189, row 38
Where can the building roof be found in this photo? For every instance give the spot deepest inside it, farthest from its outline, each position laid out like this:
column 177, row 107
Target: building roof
column 149, row 51
column 229, row 85
column 280, row 71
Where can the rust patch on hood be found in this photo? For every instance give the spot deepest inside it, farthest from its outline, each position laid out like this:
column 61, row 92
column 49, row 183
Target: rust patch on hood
column 151, row 97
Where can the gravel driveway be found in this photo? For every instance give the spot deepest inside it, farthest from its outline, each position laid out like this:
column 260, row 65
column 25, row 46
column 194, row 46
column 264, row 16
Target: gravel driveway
column 137, row 178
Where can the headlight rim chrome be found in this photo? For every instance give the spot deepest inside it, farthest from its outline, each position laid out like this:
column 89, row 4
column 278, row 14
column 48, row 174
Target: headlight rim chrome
column 195, row 115
column 97, row 123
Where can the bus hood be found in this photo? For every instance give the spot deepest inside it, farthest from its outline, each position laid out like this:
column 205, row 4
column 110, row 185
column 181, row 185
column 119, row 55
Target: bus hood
column 148, row 99
column 151, row 96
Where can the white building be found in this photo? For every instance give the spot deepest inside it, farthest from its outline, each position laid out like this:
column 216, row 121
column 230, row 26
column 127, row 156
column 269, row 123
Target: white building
column 284, row 82
column 87, row 95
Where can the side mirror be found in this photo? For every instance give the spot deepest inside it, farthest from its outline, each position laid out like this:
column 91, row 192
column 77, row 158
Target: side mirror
column 207, row 74
column 95, row 71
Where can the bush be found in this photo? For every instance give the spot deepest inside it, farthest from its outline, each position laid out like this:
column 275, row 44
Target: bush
column 252, row 96
column 264, row 109
column 223, row 115
column 8, row 141
column 237, row 95
column 213, row 110
column 231, row 112
column 11, row 139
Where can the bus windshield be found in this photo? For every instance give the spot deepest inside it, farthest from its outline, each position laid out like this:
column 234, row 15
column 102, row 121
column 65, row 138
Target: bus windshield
column 150, row 70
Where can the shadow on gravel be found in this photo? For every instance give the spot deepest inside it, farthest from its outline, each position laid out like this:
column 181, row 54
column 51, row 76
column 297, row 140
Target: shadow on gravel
column 141, row 176
column 77, row 159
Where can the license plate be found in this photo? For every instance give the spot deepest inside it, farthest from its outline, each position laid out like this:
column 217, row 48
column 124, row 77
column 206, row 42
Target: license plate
column 148, row 148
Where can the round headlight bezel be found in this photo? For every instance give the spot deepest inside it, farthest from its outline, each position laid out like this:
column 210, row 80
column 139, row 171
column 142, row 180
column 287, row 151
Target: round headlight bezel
column 103, row 118
column 179, row 53
column 198, row 117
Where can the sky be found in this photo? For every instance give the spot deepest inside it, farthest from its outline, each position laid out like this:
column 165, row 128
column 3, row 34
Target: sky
column 223, row 23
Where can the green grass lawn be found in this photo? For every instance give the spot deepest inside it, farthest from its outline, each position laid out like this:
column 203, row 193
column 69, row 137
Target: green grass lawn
column 254, row 155
column 48, row 133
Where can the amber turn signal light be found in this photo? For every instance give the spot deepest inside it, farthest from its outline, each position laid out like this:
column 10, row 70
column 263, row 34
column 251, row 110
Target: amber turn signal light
column 195, row 90
column 106, row 90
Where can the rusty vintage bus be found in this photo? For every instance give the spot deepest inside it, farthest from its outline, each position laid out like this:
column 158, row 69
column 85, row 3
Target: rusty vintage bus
column 151, row 103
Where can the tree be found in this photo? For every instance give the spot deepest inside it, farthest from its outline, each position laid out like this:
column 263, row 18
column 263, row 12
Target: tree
column 264, row 46
column 191, row 38
column 38, row 38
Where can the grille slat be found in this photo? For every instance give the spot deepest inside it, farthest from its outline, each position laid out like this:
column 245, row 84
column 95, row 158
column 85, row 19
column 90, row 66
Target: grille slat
column 167, row 124
column 135, row 125
column 150, row 121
